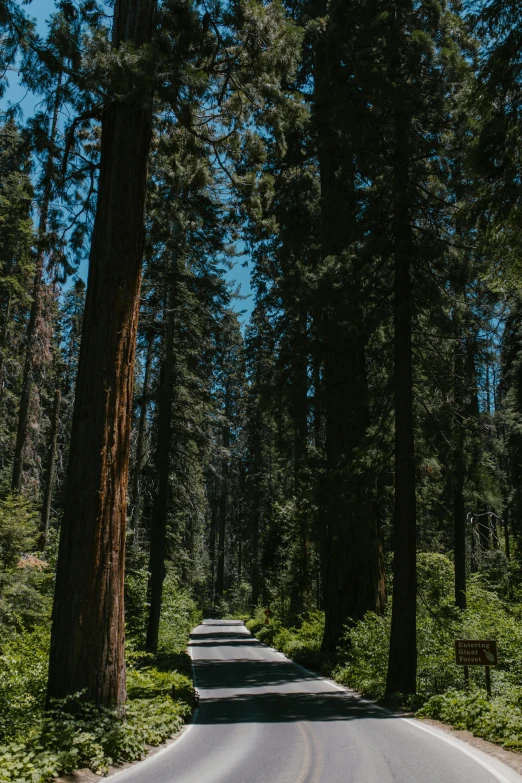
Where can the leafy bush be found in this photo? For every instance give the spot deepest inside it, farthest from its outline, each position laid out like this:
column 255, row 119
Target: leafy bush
column 302, row 642
column 24, row 593
column 75, row 734
column 364, row 654
column 498, row 720
column 179, row 614
column 136, row 605
column 257, row 622
column 23, row 681
column 161, row 675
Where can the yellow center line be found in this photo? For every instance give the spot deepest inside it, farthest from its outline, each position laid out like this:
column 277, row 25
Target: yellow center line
column 307, row 756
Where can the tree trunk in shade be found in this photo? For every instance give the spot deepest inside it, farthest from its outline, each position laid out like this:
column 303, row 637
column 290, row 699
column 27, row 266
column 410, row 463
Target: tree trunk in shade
column 140, row 444
column 160, row 509
column 459, row 471
column 88, row 631
column 351, row 555
column 49, row 479
column 220, row 574
column 402, row 663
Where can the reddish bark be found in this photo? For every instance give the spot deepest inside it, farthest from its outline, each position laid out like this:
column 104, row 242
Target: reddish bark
column 49, row 479
column 87, row 640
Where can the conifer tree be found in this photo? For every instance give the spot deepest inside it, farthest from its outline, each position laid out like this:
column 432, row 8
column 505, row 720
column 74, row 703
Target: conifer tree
column 83, row 656
column 16, row 268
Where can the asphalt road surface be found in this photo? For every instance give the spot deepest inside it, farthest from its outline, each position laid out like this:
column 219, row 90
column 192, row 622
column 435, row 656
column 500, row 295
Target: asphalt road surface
column 262, row 719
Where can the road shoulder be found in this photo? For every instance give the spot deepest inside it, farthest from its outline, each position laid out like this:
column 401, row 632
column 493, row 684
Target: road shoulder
column 510, row 758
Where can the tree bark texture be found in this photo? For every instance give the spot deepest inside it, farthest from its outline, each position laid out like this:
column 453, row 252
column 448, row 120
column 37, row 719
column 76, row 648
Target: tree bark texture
column 5, row 314
column 87, row 639
column 459, row 511
column 402, row 662
column 255, row 575
column 140, row 444
column 220, row 574
column 351, row 553
column 301, row 569
column 160, row 509
column 459, row 522
column 49, row 478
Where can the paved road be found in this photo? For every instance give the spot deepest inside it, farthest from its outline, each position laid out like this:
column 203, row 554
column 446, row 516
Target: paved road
column 262, row 719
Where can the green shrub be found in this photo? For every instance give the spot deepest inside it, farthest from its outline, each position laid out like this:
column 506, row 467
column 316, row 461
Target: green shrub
column 498, row 720
column 364, row 654
column 160, row 679
column 23, row 681
column 257, row 622
column 136, row 606
column 302, row 642
column 179, row 615
column 25, row 580
column 75, row 734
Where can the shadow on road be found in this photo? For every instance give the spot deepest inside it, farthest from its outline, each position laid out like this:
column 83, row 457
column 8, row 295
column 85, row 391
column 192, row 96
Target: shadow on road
column 288, row 707
column 246, row 673
column 222, row 637
column 227, row 643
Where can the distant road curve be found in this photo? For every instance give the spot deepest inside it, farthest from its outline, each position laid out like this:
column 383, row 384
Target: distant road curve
column 262, row 719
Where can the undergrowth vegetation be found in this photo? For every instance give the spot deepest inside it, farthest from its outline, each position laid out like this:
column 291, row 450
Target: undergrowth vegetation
column 37, row 745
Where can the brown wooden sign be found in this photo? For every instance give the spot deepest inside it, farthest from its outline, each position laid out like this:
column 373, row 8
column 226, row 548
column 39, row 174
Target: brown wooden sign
column 476, row 652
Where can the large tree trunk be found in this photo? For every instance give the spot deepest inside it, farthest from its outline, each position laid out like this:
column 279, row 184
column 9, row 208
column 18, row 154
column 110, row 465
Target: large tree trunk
column 301, row 568
column 459, row 522
column 35, row 314
column 160, row 509
column 255, row 575
column 402, row 663
column 459, row 467
column 352, row 563
column 140, row 444
column 220, row 574
column 5, row 314
column 212, row 543
column 87, row 639
column 49, row 479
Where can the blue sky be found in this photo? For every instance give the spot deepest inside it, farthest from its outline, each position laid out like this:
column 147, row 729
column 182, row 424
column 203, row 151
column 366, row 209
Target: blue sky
column 40, row 11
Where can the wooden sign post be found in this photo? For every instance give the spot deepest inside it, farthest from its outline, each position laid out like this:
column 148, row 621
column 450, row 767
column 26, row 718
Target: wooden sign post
column 476, row 652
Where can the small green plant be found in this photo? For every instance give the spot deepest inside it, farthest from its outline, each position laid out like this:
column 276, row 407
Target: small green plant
column 23, row 680
column 498, row 720
column 24, row 576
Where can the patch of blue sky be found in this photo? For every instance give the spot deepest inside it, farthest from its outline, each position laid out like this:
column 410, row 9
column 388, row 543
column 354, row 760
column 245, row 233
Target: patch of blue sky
column 239, row 276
